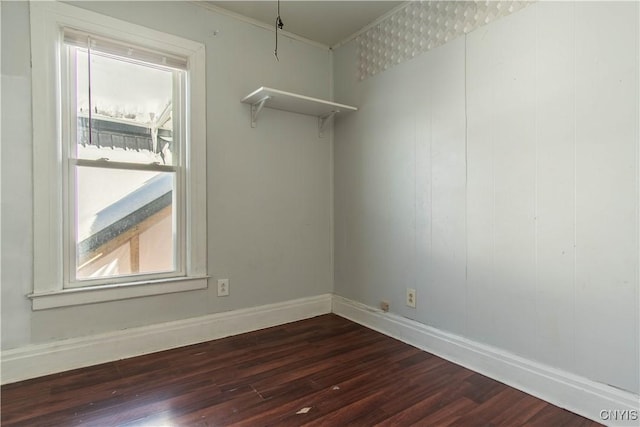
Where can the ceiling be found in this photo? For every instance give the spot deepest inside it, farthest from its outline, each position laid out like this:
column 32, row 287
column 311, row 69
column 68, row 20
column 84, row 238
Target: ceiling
column 325, row 22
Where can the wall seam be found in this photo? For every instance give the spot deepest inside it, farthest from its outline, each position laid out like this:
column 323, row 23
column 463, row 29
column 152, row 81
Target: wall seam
column 637, row 115
column 466, row 191
column 575, row 188
column 331, row 181
column 415, row 203
column 536, row 147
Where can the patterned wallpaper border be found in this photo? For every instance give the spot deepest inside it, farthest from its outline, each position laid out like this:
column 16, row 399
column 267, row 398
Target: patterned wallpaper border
column 421, row 26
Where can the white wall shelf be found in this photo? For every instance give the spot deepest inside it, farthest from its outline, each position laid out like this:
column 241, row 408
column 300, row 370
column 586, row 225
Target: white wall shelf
column 292, row 102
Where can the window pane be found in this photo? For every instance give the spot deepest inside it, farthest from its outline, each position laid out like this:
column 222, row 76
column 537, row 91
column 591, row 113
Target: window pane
column 125, row 222
column 131, row 107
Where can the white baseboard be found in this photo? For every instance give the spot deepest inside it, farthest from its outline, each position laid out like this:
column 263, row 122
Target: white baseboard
column 563, row 389
column 574, row 393
column 43, row 359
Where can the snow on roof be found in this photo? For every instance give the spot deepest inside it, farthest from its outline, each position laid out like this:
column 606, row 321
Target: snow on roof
column 118, row 217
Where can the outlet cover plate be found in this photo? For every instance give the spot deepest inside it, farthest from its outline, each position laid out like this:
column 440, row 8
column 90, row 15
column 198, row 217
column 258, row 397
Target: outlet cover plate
column 223, row 287
column 411, row 298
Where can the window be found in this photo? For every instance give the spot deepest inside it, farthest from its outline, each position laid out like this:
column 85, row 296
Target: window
column 119, row 172
column 124, row 150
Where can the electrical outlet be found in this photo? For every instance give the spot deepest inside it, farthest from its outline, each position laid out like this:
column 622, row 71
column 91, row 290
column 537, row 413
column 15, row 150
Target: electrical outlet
column 223, row 287
column 411, row 297
column 384, row 306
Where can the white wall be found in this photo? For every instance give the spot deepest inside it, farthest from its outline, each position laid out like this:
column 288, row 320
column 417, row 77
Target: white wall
column 268, row 188
column 498, row 175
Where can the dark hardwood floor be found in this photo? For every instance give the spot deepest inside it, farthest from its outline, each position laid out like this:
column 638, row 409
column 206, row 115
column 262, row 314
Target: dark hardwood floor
column 336, row 371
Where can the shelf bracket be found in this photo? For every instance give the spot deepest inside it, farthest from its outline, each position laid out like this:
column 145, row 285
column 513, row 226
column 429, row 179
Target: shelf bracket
column 322, row 122
column 256, row 108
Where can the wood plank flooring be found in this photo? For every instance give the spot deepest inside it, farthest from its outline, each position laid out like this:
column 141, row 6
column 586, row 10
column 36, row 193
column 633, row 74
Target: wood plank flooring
column 339, row 372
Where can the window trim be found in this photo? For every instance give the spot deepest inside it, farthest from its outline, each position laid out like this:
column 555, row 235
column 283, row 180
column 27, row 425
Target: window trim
column 47, row 21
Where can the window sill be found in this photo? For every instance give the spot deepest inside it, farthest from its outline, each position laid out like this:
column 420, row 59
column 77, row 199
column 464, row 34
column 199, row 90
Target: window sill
column 94, row 294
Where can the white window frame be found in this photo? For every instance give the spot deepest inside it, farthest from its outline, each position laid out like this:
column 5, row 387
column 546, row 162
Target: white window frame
column 50, row 288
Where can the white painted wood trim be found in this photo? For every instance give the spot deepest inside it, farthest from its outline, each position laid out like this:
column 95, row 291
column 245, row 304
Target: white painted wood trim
column 43, row 359
column 572, row 392
column 120, row 291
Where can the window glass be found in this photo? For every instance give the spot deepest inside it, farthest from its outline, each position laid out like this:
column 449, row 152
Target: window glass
column 130, row 105
column 124, row 197
column 125, row 222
